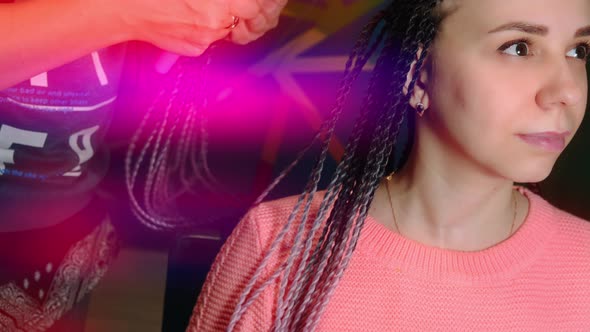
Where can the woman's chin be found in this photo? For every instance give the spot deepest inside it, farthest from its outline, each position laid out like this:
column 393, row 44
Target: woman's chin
column 534, row 174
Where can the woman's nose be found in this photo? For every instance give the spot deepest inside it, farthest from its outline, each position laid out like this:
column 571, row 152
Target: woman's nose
column 564, row 88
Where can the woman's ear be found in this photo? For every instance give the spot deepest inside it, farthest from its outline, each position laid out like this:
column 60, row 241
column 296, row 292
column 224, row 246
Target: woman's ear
column 419, row 94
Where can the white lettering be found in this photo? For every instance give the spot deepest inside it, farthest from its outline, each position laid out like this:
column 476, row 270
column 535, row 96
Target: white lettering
column 10, row 135
column 40, row 80
column 100, row 73
column 85, row 152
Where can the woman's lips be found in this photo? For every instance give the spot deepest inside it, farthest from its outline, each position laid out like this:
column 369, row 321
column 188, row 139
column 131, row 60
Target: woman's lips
column 550, row 141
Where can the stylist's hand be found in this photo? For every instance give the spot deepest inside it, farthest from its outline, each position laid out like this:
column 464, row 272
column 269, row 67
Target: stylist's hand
column 185, row 27
column 257, row 17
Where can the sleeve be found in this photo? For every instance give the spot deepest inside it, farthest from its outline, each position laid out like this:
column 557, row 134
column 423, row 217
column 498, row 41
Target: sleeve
column 233, row 267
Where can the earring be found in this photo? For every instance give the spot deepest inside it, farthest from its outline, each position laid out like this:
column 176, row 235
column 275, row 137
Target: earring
column 420, row 108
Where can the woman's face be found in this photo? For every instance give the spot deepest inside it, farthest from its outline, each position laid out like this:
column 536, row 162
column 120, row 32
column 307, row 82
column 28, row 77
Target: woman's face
column 508, row 84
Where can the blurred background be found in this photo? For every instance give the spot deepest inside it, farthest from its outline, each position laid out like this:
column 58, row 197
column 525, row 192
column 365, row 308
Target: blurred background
column 267, row 100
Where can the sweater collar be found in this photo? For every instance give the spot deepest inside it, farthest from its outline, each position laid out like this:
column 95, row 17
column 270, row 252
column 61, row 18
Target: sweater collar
column 499, row 261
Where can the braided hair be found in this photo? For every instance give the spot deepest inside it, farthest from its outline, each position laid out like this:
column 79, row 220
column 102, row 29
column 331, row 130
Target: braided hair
column 322, row 247
column 167, row 155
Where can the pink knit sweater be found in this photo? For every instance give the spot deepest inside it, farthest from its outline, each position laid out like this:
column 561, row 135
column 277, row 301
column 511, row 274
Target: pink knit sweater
column 537, row 280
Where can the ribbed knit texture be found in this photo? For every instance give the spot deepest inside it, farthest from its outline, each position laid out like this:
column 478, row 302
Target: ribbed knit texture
column 537, row 280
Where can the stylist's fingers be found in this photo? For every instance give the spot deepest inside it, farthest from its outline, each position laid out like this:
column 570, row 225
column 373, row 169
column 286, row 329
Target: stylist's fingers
column 216, row 16
column 190, row 41
column 242, row 35
column 246, row 39
column 245, row 9
column 258, row 17
column 180, row 47
column 267, row 20
column 273, row 8
column 259, row 24
column 205, row 36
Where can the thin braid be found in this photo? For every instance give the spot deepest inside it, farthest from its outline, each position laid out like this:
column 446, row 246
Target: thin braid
column 351, row 189
column 320, row 268
column 348, row 166
column 344, row 91
column 157, row 184
column 200, row 144
column 243, row 304
column 382, row 147
column 197, row 148
column 302, row 249
column 187, row 137
column 345, row 165
column 183, row 152
column 337, row 236
column 351, row 73
column 158, row 157
column 132, row 172
column 160, row 188
column 283, row 313
column 351, row 215
column 426, row 33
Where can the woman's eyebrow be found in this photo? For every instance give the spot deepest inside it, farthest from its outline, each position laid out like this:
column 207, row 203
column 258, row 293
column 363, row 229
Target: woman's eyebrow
column 536, row 29
column 583, row 32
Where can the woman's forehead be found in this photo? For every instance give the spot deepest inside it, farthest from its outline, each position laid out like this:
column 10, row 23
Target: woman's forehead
column 484, row 15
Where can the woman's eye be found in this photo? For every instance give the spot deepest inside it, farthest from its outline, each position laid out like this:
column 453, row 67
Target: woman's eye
column 579, row 52
column 518, row 49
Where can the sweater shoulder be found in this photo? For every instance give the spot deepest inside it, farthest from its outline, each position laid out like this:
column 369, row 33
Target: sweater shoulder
column 271, row 217
column 573, row 227
column 573, row 232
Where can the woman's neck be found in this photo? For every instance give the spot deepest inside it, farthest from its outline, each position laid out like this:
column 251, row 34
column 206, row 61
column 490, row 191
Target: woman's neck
column 449, row 206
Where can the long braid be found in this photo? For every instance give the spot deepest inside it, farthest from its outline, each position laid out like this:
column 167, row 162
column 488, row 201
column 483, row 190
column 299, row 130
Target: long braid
column 426, row 32
column 368, row 183
column 352, row 187
column 351, row 73
column 161, row 146
column 172, row 169
column 353, row 69
column 284, row 312
column 132, row 169
column 302, row 249
column 350, row 165
column 374, row 171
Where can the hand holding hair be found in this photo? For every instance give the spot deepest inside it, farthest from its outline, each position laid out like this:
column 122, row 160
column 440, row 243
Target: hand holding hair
column 249, row 20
